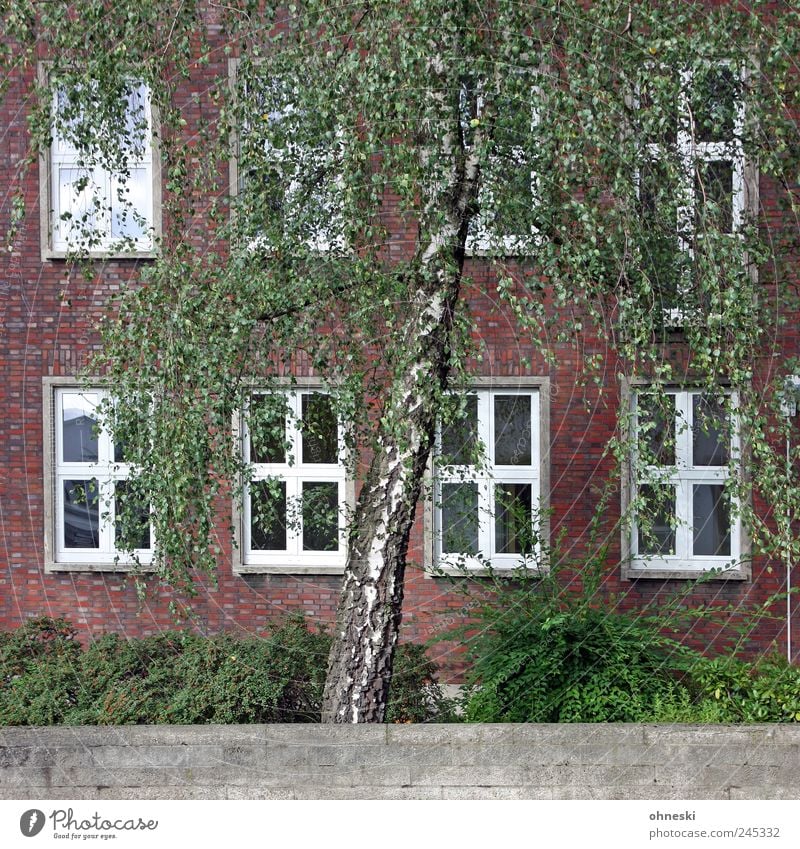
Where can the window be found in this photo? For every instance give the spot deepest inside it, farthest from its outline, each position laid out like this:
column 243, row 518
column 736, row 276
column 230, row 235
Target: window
column 691, row 181
column 294, row 500
column 488, row 482
column 685, row 518
column 88, row 485
column 287, row 174
column 502, row 228
column 94, row 205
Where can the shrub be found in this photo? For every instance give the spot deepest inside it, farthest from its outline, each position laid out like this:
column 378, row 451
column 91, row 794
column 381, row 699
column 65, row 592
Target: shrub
column 545, row 652
column 415, row 696
column 183, row 678
column 40, row 672
column 570, row 665
column 768, row 691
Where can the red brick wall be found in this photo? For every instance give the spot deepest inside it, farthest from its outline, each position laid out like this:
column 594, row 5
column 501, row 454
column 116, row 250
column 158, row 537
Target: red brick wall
column 48, row 310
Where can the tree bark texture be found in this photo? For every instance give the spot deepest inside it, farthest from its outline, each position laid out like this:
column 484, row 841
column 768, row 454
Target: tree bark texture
column 370, row 605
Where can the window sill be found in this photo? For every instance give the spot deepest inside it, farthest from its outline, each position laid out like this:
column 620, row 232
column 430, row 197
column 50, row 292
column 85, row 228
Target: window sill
column 51, row 255
column 284, row 568
column 686, row 570
column 502, row 246
column 52, row 568
column 479, row 569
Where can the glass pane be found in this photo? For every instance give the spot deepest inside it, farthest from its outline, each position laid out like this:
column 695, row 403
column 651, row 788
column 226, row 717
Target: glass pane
column 320, row 516
column 714, row 196
column 136, row 125
column 70, row 119
column 320, row 429
column 655, row 522
column 79, row 427
column 468, row 101
column 132, row 528
column 460, row 437
column 658, row 112
column 512, row 430
column 460, row 518
column 510, row 199
column 656, row 423
column 714, row 95
column 81, row 514
column 131, row 206
column 119, row 452
column 661, row 255
column 80, row 202
column 267, row 425
column 513, row 518
column 712, row 524
column 268, row 515
column 708, row 432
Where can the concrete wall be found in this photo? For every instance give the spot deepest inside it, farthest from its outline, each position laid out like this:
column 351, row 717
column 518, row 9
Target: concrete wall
column 402, row 762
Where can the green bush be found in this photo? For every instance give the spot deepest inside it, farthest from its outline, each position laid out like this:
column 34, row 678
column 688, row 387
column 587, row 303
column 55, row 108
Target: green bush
column 546, row 652
column 571, row 665
column 183, row 678
column 39, row 671
column 767, row 691
column 415, row 695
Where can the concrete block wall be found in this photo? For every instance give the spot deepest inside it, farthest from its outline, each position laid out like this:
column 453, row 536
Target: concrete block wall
column 401, row 762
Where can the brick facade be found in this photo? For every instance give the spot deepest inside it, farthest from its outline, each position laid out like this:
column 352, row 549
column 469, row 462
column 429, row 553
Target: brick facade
column 47, row 312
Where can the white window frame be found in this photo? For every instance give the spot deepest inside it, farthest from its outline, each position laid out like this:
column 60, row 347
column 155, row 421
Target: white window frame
column 331, row 239
column 691, row 152
column 487, row 477
column 101, row 190
column 684, row 476
column 483, row 239
column 294, row 473
column 106, row 471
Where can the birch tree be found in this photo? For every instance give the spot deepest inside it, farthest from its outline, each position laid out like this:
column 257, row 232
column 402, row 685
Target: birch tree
column 381, row 151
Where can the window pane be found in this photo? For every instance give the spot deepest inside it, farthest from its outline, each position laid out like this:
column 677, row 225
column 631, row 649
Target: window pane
column 136, row 124
column 119, row 452
column 658, row 109
column 460, row 518
column 320, row 516
column 81, row 514
column 656, row 424
column 510, row 199
column 714, row 196
column 71, row 129
column 268, row 515
column 79, row 427
column 132, row 528
column 712, row 524
column 708, row 432
column 266, row 422
column 655, row 521
column 131, row 205
column 460, row 437
column 513, row 518
column 468, row 103
column 80, row 202
column 660, row 251
column 512, row 430
column 714, row 96
column 320, row 429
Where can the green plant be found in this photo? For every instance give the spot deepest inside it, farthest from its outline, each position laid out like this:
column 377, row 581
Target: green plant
column 184, row 678
column 546, row 651
column 767, row 691
column 415, row 695
column 39, row 671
